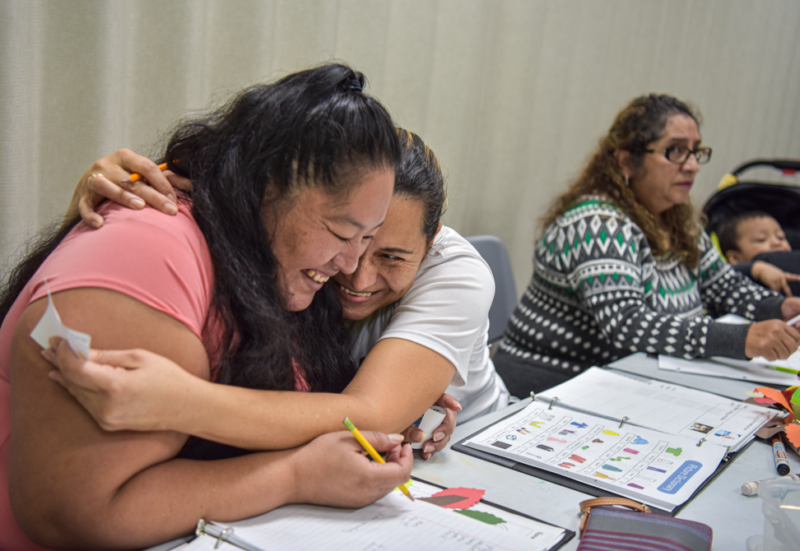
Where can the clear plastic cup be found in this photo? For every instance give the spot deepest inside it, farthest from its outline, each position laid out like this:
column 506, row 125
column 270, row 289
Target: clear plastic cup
column 781, row 506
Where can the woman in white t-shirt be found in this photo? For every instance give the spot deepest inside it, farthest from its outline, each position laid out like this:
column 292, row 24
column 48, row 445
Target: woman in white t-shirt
column 419, row 300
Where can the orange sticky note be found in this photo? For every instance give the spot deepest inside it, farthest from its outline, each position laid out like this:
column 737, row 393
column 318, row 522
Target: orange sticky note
column 776, row 395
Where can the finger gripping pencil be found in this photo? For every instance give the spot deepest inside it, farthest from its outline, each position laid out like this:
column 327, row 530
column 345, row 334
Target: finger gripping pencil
column 370, row 450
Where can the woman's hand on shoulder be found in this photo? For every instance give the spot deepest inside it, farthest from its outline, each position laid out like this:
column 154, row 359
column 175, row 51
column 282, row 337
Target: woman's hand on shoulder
column 441, row 435
column 122, row 390
column 333, row 470
column 110, row 178
column 773, row 277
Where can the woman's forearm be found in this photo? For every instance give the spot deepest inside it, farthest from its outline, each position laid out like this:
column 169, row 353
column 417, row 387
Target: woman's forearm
column 270, row 420
column 166, row 501
column 396, row 383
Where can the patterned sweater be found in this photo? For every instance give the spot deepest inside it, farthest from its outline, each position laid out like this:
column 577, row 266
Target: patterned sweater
column 598, row 294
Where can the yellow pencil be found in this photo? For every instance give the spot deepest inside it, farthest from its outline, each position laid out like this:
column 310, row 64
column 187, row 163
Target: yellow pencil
column 136, row 176
column 371, row 451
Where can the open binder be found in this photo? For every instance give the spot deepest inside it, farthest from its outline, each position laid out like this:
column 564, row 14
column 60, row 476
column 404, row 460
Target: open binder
column 392, row 522
column 594, row 433
column 666, row 407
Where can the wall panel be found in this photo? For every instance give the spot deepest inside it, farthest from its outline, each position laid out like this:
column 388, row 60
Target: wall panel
column 512, row 95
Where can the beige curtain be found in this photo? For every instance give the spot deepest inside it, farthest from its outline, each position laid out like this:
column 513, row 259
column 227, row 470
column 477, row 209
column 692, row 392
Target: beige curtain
column 511, row 94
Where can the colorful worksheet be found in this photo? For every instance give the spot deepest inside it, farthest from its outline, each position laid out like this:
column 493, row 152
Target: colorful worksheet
column 649, row 466
column 661, row 406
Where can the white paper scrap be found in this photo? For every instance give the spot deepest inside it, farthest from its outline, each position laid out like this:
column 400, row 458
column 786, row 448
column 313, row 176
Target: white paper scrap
column 50, row 326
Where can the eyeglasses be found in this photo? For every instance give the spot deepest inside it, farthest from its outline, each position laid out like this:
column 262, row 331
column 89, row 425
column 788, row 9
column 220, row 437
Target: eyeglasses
column 679, row 154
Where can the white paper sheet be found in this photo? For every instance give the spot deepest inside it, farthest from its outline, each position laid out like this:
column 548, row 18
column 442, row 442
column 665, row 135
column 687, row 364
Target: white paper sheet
column 752, row 372
column 792, row 362
column 393, row 522
column 661, row 406
column 50, row 326
column 540, row 535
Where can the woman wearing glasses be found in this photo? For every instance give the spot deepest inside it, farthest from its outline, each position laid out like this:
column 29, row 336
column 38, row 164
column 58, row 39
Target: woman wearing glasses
column 623, row 266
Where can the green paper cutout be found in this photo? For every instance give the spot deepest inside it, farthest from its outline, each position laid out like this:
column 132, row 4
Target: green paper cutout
column 488, row 518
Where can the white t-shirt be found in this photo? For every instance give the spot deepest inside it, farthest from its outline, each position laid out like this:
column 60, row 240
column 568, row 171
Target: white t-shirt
column 447, row 310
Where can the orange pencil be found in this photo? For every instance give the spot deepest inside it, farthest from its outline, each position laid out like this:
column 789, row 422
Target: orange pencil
column 135, row 177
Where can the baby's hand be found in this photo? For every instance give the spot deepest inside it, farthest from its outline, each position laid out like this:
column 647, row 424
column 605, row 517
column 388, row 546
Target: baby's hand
column 773, row 277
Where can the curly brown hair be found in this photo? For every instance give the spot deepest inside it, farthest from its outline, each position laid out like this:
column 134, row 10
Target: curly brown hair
column 640, row 123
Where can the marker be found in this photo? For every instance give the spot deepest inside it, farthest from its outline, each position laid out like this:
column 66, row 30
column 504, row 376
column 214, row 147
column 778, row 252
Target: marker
column 779, row 452
column 751, row 488
column 781, row 368
column 371, row 451
column 793, row 320
column 135, row 177
column 430, row 421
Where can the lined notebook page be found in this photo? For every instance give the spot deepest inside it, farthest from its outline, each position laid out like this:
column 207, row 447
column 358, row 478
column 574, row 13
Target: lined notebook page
column 394, row 522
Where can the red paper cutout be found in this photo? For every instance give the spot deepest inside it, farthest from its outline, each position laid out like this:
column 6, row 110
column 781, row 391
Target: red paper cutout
column 471, row 497
column 764, row 400
column 778, row 396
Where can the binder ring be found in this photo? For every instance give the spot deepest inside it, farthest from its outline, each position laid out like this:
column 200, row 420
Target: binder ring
column 700, row 443
column 623, row 421
column 222, row 535
column 201, row 527
column 533, row 396
column 553, row 401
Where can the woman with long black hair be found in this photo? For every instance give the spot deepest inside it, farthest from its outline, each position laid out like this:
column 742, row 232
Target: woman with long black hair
column 306, row 167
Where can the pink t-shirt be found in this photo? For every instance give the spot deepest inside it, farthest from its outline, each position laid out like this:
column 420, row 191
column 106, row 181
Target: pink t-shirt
column 160, row 260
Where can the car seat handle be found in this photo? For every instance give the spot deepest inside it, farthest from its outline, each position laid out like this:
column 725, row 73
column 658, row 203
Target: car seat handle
column 785, row 165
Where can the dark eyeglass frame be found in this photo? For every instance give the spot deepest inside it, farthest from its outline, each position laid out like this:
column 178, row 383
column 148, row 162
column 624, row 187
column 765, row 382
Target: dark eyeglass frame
column 701, row 154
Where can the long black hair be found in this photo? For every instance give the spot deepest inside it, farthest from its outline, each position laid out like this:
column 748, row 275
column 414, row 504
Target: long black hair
column 311, row 128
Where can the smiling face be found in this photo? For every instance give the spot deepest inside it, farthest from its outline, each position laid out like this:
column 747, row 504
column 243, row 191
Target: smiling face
column 758, row 235
column 387, row 269
column 659, row 184
column 317, row 235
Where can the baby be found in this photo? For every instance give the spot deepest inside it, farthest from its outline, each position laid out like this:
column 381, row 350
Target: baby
column 749, row 235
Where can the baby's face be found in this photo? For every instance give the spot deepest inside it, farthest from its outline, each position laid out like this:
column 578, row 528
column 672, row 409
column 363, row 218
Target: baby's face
column 760, row 235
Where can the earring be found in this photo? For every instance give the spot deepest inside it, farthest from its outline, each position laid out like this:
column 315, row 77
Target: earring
column 627, row 183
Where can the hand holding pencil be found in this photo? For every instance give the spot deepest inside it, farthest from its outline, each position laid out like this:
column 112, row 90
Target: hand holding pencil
column 370, row 450
column 128, row 179
column 333, row 470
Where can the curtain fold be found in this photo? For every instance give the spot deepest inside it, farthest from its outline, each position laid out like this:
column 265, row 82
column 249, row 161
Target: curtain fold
column 512, row 95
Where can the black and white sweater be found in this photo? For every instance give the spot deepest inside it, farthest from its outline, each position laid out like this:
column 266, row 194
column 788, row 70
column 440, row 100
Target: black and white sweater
column 598, row 293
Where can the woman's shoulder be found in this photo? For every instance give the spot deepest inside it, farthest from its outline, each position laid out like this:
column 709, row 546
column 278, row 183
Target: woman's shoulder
column 147, row 235
column 146, row 223
column 452, row 264
column 590, row 206
column 450, row 252
column 593, row 212
column 158, row 259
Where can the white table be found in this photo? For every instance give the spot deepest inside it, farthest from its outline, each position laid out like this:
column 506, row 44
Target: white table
column 721, row 505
